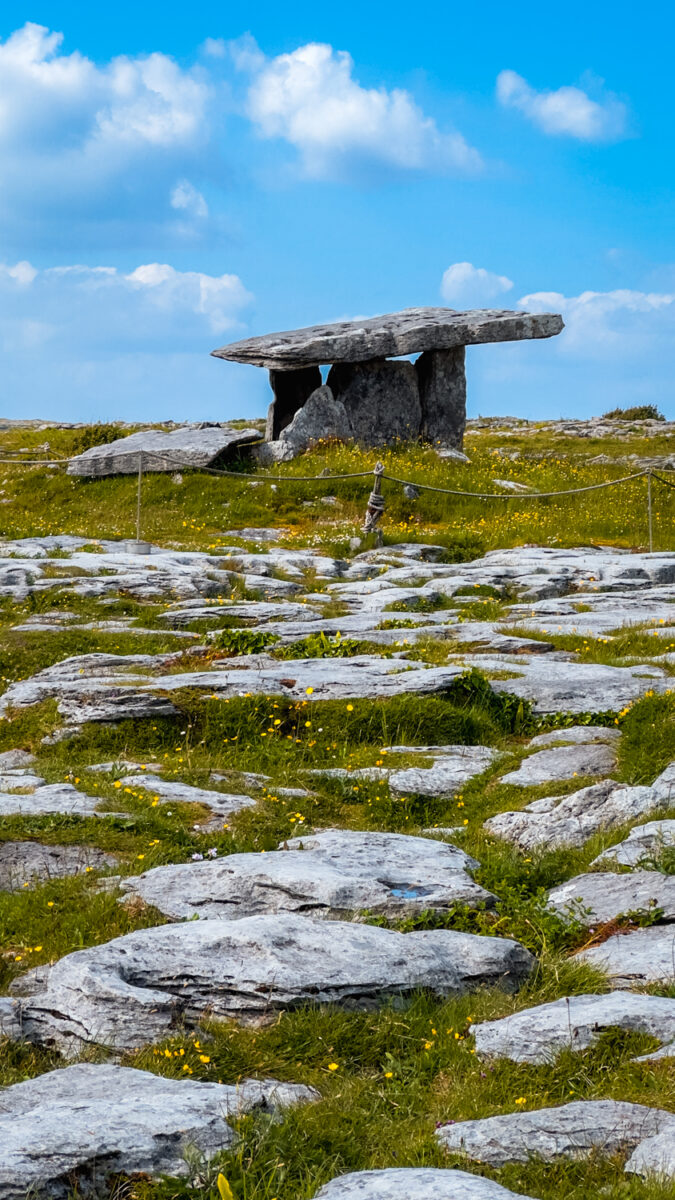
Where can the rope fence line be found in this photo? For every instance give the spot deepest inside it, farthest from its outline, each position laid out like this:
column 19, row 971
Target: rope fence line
column 376, row 504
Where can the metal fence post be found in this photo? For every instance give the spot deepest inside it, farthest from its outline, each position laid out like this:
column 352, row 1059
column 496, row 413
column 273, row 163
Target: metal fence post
column 138, row 496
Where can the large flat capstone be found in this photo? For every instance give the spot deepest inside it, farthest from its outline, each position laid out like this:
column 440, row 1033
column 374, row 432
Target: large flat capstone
column 90, row 1121
column 410, row 331
column 136, row 988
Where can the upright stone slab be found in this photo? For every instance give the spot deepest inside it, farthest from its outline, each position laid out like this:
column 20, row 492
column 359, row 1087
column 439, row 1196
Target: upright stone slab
column 442, row 387
column 381, row 398
column 291, row 390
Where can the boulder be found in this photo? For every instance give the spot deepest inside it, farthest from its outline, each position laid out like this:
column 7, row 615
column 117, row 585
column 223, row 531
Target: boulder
column 410, row 331
column 78, row 1126
column 573, row 1131
column 190, row 446
column 321, row 417
column 635, row 959
column 330, row 874
column 381, row 400
column 644, row 842
column 571, row 820
column 415, row 1183
column 561, row 763
column 537, row 1035
column 134, row 989
column 599, row 897
column 655, row 1156
column 25, row 863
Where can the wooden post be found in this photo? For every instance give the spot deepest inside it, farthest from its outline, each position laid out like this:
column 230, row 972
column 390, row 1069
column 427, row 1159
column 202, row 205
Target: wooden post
column 375, row 509
column 649, row 511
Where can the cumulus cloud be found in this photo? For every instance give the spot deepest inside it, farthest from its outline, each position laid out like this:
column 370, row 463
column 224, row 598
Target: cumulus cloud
column 566, row 112
column 311, row 99
column 618, row 326
column 77, row 137
column 73, row 334
column 186, row 197
column 466, row 286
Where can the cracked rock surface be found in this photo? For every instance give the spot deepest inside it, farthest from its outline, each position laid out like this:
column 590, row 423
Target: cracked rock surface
column 335, row 874
column 601, row 896
column 90, row 1121
column 537, row 1035
column 415, row 1183
column 571, row 1131
column 133, row 989
column 637, row 958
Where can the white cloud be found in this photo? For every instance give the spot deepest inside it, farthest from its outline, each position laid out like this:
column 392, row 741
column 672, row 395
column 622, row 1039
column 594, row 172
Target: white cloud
column 466, row 286
column 566, row 112
column 310, row 99
column 78, row 138
column 185, row 196
column 22, row 272
column 616, row 326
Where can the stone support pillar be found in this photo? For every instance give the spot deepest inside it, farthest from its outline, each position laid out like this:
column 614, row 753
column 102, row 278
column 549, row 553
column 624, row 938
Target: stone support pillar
column 291, row 390
column 442, row 389
column 381, row 398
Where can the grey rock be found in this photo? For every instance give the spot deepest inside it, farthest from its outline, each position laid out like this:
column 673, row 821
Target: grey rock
column 577, row 735
column 602, row 896
column 634, row 959
column 162, row 451
column 134, row 989
column 569, row 686
column 447, row 775
column 291, row 390
column 510, row 485
column 330, row 874
column 407, row 332
column 52, row 798
column 381, row 400
column 655, row 1156
column 221, row 804
column 553, row 766
column 571, row 1131
column 451, row 453
column 537, row 1035
column 13, row 760
column 644, row 842
column 571, row 820
column 321, row 417
column 415, row 1183
column 10, row 1019
column 86, row 1122
column 441, row 380
column 25, row 863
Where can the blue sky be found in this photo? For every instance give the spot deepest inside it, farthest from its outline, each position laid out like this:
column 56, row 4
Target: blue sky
column 174, row 177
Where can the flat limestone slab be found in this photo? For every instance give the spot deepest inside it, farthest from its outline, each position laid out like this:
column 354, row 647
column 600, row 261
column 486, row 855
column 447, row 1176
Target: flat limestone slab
column 87, row 1122
column 644, row 842
column 162, row 451
column 134, row 989
column 448, row 774
column 222, row 804
column 571, row 1131
column 23, row 864
column 415, row 1183
column 654, row 1156
column 336, row 874
column 537, row 1035
column 561, row 763
column 637, row 958
column 601, row 896
column 577, row 735
column 52, row 798
column 571, row 820
column 407, row 332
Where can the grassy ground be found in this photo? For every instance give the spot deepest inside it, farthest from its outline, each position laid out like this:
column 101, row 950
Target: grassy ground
column 385, row 1078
